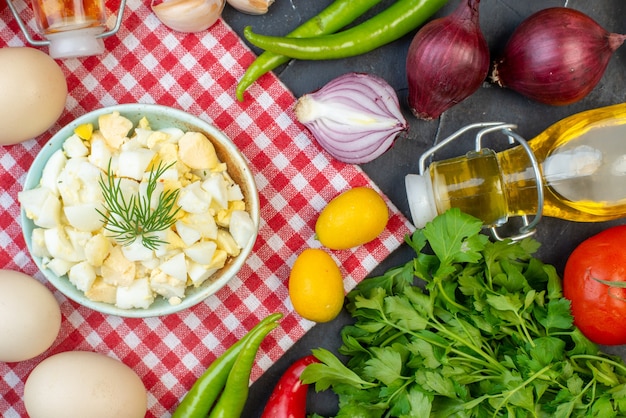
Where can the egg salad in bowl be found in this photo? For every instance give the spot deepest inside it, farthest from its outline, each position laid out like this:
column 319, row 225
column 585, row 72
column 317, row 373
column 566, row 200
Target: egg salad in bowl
column 139, row 210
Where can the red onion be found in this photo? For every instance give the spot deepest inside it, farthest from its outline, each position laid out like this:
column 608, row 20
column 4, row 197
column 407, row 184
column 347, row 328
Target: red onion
column 447, row 61
column 556, row 56
column 355, row 117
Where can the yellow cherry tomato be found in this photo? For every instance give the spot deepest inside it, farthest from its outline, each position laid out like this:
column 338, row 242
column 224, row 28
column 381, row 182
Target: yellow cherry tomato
column 355, row 217
column 316, row 286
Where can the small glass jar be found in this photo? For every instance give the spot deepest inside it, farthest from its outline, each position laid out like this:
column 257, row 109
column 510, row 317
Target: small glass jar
column 70, row 28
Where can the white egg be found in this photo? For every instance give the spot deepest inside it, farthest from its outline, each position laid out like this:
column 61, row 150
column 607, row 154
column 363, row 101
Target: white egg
column 34, row 91
column 80, row 384
column 30, row 317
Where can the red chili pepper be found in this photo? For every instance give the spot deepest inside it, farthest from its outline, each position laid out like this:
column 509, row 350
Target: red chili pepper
column 288, row 400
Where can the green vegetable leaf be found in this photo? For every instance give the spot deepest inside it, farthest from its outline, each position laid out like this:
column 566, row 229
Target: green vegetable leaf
column 505, row 302
column 385, row 365
column 130, row 218
column 401, row 311
column 420, row 404
column 330, row 372
column 426, row 354
column 435, row 382
column 393, row 281
column 455, row 238
column 486, row 333
column 359, row 411
column 375, row 302
column 558, row 316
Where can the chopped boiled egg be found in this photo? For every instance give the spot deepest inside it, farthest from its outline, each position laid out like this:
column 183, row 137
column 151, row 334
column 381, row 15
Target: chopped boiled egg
column 115, row 129
column 197, row 151
column 76, row 232
column 138, row 294
column 84, row 131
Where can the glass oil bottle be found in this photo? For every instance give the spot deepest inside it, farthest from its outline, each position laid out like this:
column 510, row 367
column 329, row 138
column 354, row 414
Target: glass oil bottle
column 574, row 170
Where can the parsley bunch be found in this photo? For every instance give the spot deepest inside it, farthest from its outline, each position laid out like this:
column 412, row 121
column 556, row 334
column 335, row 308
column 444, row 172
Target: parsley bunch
column 487, row 334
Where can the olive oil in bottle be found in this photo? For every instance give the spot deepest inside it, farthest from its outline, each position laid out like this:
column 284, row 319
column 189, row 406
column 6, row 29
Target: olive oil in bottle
column 582, row 168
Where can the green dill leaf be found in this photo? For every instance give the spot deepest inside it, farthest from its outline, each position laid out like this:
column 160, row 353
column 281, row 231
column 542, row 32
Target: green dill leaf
column 131, row 218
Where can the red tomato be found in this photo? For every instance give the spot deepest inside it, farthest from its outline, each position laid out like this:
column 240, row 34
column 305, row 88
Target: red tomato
column 599, row 310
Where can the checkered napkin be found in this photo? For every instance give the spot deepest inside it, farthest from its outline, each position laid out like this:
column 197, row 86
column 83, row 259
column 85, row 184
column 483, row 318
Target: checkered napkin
column 147, row 63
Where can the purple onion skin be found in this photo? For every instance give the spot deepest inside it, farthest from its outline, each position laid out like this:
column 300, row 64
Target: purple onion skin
column 447, row 61
column 355, row 117
column 556, row 56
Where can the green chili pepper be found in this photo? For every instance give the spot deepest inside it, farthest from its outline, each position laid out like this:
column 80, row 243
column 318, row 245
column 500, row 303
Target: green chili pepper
column 207, row 388
column 330, row 20
column 235, row 393
column 389, row 25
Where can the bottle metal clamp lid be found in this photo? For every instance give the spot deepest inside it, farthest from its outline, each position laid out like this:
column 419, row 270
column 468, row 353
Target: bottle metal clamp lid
column 419, row 187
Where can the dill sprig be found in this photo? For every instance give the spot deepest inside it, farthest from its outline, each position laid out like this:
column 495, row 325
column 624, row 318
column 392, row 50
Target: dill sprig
column 131, row 218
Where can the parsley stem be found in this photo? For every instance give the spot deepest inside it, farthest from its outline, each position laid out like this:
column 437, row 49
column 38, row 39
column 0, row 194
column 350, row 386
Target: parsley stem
column 391, row 338
column 452, row 302
column 601, row 359
column 490, row 360
column 522, row 385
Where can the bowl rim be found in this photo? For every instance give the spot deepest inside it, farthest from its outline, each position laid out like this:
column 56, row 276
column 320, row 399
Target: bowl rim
column 152, row 112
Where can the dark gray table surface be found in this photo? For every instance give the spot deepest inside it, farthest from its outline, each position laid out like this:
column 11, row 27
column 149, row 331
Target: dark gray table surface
column 490, row 103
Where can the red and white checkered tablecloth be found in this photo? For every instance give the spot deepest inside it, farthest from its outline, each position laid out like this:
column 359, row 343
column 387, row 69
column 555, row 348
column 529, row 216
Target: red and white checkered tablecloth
column 147, row 63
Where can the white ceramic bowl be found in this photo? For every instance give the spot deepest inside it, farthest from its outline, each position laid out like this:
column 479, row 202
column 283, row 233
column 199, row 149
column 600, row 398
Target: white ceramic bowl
column 158, row 117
